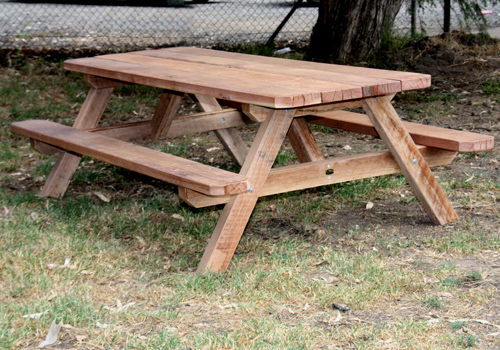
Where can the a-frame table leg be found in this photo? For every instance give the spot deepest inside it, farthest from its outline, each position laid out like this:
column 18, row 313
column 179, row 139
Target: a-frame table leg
column 66, row 164
column 236, row 213
column 230, row 139
column 418, row 174
column 303, row 143
column 165, row 113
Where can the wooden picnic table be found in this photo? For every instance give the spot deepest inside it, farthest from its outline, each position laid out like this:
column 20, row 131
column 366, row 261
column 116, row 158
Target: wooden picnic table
column 234, row 90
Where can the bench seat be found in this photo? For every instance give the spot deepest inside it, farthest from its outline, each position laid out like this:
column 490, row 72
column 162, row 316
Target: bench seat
column 426, row 135
column 176, row 170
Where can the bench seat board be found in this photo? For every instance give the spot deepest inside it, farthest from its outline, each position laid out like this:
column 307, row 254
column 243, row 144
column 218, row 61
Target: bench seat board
column 163, row 166
column 427, row 135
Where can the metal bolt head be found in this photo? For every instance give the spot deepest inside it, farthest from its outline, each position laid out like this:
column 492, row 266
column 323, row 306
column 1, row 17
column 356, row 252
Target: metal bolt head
column 223, row 119
column 250, row 190
column 415, row 161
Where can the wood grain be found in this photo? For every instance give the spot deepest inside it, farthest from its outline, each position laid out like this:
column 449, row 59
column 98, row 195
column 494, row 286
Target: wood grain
column 66, row 164
column 449, row 139
column 303, row 143
column 229, row 137
column 101, row 83
column 418, row 174
column 165, row 113
column 409, row 81
column 162, row 166
column 237, row 211
column 181, row 125
column 247, row 78
column 309, row 175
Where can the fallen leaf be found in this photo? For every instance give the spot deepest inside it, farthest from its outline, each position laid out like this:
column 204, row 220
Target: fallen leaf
column 35, row 316
column 118, row 303
column 470, row 179
column 71, row 267
column 230, row 306
column 101, row 325
column 51, row 296
column 369, row 205
column 80, row 338
column 213, row 149
column 493, row 334
column 101, row 197
column 445, row 295
column 125, row 307
column 51, row 335
column 141, row 240
column 347, row 147
column 177, row 216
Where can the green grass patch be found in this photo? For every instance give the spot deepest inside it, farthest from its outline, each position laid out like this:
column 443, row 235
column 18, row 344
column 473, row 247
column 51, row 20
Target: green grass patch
column 491, row 86
column 419, row 97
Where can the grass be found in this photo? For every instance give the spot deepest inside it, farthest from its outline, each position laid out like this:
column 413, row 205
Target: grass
column 130, row 283
column 432, row 96
column 491, row 87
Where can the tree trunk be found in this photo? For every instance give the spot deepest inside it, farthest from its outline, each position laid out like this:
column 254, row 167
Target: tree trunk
column 351, row 28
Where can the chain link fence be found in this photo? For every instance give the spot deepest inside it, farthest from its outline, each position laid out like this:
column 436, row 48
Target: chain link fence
column 133, row 24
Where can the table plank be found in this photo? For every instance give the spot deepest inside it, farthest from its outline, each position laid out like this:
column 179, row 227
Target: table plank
column 272, row 80
column 266, row 81
column 408, row 80
column 177, row 81
column 370, row 86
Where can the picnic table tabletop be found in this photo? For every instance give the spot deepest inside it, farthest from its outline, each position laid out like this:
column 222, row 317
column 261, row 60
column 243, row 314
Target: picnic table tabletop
column 264, row 81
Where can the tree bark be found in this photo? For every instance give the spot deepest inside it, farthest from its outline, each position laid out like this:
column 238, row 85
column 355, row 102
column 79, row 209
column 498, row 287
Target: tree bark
column 351, row 28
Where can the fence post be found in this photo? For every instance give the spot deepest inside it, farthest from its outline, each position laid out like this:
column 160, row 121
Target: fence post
column 413, row 18
column 447, row 10
column 297, row 4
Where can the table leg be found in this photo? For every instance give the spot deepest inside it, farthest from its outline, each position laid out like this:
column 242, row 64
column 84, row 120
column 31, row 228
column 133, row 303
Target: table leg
column 229, row 137
column 237, row 211
column 165, row 113
column 66, row 164
column 390, row 128
column 303, row 143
